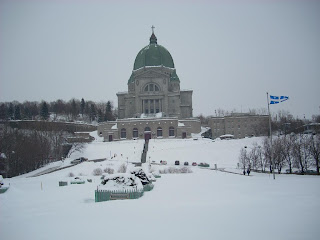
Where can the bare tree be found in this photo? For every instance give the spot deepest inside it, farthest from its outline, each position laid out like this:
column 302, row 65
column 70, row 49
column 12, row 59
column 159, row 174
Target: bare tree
column 243, row 159
column 278, row 153
column 76, row 147
column 288, row 143
column 301, row 153
column 267, row 153
column 254, row 156
column 314, row 149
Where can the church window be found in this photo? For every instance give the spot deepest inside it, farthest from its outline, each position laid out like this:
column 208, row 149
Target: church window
column 147, row 129
column 135, row 133
column 157, row 105
column 123, row 133
column 171, row 131
column 151, row 87
column 146, row 107
column 151, row 106
column 159, row 132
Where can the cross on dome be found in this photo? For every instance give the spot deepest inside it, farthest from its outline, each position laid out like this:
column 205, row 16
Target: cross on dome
column 153, row 38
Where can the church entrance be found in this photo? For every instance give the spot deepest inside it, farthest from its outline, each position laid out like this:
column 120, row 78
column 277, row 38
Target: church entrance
column 147, row 136
column 110, row 138
column 184, row 135
column 147, row 133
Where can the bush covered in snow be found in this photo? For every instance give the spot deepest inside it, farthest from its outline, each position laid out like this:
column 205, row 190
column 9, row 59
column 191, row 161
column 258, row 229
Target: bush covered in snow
column 122, row 168
column 121, row 181
column 70, row 174
column 109, row 170
column 138, row 172
column 97, row 172
column 175, row 170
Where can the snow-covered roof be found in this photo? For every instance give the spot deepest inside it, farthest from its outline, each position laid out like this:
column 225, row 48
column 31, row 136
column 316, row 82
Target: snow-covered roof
column 227, row 136
column 180, row 124
column 156, row 115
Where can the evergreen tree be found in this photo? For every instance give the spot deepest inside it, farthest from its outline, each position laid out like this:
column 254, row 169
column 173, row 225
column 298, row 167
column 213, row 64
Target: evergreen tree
column 74, row 111
column 17, row 112
column 10, row 111
column 82, row 106
column 92, row 112
column 26, row 113
column 44, row 112
column 109, row 115
column 3, row 112
column 100, row 116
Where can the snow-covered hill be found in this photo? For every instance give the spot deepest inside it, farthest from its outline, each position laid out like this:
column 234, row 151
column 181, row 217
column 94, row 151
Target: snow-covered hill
column 204, row 204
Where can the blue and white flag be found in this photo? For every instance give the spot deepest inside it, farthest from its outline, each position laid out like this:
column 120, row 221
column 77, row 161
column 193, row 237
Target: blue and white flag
column 278, row 99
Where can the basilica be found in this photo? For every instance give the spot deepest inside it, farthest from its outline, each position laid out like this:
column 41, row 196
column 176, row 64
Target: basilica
column 154, row 106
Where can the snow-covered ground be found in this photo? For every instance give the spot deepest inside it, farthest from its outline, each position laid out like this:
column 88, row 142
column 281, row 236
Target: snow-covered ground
column 205, row 204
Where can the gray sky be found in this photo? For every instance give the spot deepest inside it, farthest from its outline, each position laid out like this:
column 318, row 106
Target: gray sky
column 230, row 53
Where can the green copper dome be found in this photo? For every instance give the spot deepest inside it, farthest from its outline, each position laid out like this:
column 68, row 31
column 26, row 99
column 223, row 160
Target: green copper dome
column 153, row 55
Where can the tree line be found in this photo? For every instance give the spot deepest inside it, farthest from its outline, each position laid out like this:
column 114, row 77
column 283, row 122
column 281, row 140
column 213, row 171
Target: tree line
column 300, row 151
column 24, row 150
column 59, row 110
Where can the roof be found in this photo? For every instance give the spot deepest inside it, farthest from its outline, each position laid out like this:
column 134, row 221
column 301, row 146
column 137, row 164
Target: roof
column 153, row 55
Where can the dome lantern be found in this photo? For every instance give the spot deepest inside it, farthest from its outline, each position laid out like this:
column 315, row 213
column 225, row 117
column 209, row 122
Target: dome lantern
column 153, row 38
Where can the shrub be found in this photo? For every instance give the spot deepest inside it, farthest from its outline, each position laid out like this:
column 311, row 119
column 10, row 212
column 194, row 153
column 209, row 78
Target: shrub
column 109, row 170
column 122, row 168
column 97, row 172
column 171, row 170
column 185, row 170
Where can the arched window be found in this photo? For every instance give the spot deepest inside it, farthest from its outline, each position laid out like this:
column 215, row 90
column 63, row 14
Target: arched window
column 159, row 132
column 135, row 133
column 123, row 133
column 151, row 87
column 171, row 131
column 147, row 129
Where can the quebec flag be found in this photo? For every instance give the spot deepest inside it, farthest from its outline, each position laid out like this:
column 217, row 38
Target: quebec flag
column 278, row 99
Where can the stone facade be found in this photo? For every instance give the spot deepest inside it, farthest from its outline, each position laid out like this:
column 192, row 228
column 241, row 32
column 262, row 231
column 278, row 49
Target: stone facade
column 154, row 106
column 151, row 91
column 239, row 125
column 148, row 128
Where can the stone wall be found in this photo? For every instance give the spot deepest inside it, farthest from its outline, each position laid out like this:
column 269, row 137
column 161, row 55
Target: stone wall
column 52, row 126
column 239, row 125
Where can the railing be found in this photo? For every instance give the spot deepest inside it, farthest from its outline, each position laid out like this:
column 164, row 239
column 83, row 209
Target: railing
column 106, row 195
column 148, row 187
column 61, row 184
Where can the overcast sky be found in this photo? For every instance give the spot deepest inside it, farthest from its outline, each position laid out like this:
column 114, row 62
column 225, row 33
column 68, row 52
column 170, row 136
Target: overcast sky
column 230, row 53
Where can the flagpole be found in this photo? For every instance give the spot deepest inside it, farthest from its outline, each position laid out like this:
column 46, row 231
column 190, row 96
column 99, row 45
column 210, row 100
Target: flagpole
column 271, row 151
